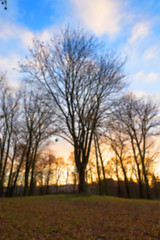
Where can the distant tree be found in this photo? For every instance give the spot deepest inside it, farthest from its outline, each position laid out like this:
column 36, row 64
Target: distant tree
column 58, row 169
column 155, row 185
column 43, row 174
column 91, row 170
column 81, row 82
column 118, row 144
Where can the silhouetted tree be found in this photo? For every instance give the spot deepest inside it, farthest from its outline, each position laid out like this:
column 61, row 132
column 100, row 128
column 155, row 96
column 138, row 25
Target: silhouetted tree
column 138, row 120
column 9, row 109
column 38, row 126
column 118, row 144
column 81, row 81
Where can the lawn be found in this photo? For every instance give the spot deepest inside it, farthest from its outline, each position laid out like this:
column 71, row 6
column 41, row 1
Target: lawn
column 73, row 217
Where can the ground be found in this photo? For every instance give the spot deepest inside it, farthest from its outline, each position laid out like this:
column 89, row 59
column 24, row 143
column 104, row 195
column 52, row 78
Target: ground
column 70, row 217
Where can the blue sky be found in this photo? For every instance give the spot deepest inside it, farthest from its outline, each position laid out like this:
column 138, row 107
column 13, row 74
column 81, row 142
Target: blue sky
column 130, row 27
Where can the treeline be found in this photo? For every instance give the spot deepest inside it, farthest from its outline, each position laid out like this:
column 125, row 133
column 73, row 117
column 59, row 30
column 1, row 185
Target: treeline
column 74, row 90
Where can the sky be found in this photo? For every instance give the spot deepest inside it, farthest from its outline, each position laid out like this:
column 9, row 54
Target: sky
column 129, row 27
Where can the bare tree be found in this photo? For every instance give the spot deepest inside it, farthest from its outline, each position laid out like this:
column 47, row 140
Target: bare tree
column 113, row 171
column 118, row 144
column 15, row 172
column 9, row 109
column 91, row 170
column 38, row 126
column 43, row 174
column 138, row 119
column 81, row 83
column 57, row 170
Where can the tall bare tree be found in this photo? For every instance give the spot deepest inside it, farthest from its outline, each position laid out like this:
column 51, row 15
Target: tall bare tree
column 81, row 82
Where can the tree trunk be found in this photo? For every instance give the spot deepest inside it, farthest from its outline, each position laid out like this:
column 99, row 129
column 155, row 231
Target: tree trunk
column 127, row 186
column 4, row 166
column 125, row 179
column 138, row 169
column 119, row 191
column 11, row 191
column 10, row 174
column 98, row 170
column 31, row 188
column 81, row 184
column 146, row 182
column 118, row 180
column 103, row 169
column 26, row 180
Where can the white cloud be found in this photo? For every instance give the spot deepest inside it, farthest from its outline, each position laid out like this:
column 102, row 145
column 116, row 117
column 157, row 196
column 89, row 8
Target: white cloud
column 139, row 31
column 9, row 65
column 15, row 40
column 26, row 37
column 11, row 31
column 45, row 35
column 152, row 96
column 101, row 16
column 146, row 77
column 140, row 94
column 151, row 53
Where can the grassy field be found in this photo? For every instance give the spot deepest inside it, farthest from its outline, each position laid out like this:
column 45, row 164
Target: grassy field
column 73, row 217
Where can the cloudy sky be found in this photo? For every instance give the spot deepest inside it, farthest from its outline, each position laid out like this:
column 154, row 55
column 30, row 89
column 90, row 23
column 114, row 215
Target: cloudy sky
column 130, row 27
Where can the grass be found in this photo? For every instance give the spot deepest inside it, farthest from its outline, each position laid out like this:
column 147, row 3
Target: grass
column 78, row 217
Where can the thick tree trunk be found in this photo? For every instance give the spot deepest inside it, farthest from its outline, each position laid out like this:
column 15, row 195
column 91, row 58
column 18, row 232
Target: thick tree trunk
column 10, row 174
column 9, row 180
column 81, row 184
column 26, row 182
column 119, row 191
column 4, row 166
column 140, row 189
column 146, row 181
column 11, row 191
column 127, row 187
column 125, row 179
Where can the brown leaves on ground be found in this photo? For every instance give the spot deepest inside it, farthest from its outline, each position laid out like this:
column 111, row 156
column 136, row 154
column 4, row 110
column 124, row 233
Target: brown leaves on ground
column 80, row 218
